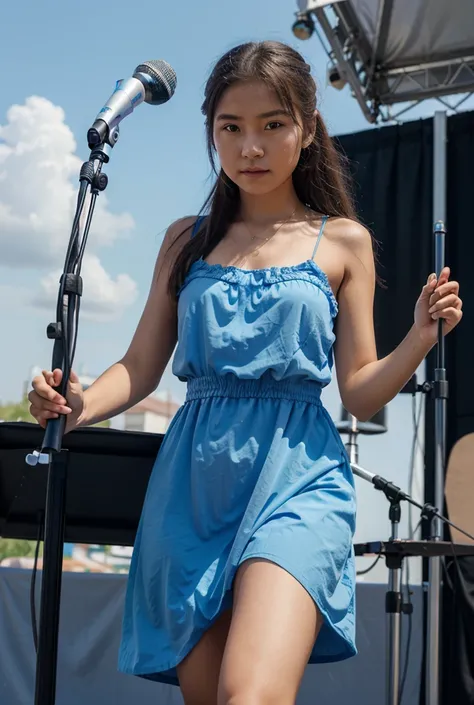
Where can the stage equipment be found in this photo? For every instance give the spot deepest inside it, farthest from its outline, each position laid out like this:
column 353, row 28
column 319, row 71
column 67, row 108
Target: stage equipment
column 154, row 82
column 394, row 551
column 374, row 48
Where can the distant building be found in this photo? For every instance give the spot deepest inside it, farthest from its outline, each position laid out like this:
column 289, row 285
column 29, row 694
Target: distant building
column 81, row 558
column 151, row 415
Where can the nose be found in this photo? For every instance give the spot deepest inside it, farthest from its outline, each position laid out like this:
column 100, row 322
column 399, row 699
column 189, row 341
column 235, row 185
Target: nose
column 251, row 149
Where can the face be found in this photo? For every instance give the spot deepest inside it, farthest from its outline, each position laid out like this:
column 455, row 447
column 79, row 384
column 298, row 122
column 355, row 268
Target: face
column 257, row 141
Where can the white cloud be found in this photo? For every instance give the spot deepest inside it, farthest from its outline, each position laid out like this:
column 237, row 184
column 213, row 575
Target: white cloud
column 103, row 297
column 39, row 173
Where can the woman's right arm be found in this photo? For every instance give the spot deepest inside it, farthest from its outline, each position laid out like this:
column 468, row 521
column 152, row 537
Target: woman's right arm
column 139, row 371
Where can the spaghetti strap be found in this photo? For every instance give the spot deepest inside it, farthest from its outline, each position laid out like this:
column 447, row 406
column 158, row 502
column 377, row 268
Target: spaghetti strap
column 197, row 225
column 323, row 223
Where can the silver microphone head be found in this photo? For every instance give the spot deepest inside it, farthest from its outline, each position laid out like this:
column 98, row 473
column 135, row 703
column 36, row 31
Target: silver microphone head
column 153, row 82
column 159, row 80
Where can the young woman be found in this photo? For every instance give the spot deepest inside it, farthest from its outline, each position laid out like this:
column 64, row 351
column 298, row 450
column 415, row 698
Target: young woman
column 243, row 568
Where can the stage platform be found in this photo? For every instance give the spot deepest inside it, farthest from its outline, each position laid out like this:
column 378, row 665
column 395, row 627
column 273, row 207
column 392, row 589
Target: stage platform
column 91, row 613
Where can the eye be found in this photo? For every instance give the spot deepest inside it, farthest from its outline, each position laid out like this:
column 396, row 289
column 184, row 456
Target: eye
column 275, row 124
column 226, row 128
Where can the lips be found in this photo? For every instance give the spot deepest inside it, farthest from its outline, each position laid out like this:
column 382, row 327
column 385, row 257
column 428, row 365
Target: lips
column 254, row 171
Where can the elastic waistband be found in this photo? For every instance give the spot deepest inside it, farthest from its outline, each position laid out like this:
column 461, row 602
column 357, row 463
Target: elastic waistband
column 263, row 388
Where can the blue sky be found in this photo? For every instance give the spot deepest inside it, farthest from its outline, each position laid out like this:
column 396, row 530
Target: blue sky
column 66, row 57
column 158, row 170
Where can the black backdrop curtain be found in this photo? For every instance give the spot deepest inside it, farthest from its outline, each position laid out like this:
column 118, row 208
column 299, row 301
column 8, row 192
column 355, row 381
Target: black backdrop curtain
column 392, row 170
column 393, row 177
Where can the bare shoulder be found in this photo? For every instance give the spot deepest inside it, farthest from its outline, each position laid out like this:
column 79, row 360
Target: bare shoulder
column 176, row 236
column 179, row 232
column 355, row 244
column 182, row 224
column 349, row 234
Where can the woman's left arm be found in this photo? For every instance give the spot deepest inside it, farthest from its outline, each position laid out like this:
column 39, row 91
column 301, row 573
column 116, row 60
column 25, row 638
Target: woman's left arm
column 366, row 384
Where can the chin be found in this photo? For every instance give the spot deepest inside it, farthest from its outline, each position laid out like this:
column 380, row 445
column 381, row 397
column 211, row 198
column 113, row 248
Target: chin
column 257, row 190
column 259, row 186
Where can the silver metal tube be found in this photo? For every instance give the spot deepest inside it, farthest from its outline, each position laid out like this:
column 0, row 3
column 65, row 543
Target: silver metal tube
column 393, row 638
column 390, row 98
column 439, row 165
column 352, row 447
column 428, row 65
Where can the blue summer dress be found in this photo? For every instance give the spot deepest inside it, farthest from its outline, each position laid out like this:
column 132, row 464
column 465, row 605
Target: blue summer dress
column 251, row 465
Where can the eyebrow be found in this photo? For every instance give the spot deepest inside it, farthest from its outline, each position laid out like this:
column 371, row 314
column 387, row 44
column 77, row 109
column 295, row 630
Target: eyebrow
column 270, row 113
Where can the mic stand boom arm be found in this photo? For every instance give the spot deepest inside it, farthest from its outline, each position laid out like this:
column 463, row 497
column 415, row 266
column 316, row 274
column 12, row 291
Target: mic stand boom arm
column 395, row 494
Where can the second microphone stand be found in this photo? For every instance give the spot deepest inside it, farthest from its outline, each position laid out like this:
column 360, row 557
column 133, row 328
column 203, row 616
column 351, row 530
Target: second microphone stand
column 394, row 603
column 395, row 550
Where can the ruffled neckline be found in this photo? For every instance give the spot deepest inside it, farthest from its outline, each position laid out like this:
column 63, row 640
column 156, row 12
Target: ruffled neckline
column 307, row 270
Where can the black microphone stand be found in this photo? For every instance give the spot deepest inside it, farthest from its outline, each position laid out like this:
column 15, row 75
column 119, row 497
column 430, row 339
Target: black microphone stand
column 64, row 333
column 440, row 394
column 395, row 550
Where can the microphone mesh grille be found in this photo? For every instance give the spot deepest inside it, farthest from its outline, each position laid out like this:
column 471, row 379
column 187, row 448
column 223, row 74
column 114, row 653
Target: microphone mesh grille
column 163, row 74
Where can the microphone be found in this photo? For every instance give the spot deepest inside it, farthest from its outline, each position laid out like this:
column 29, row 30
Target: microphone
column 380, row 483
column 153, row 82
column 361, row 472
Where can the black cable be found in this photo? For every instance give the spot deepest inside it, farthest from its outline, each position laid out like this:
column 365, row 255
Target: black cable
column 416, row 418
column 410, row 624
column 74, row 332
column 81, row 197
column 371, row 566
column 34, row 625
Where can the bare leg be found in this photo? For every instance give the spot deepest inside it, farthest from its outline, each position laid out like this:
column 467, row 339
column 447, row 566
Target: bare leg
column 275, row 623
column 198, row 673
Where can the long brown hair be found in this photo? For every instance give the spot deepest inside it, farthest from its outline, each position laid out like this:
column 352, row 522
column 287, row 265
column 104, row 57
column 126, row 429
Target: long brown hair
column 319, row 178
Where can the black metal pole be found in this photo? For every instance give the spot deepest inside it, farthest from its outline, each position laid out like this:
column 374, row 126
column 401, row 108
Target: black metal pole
column 433, row 654
column 46, row 660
